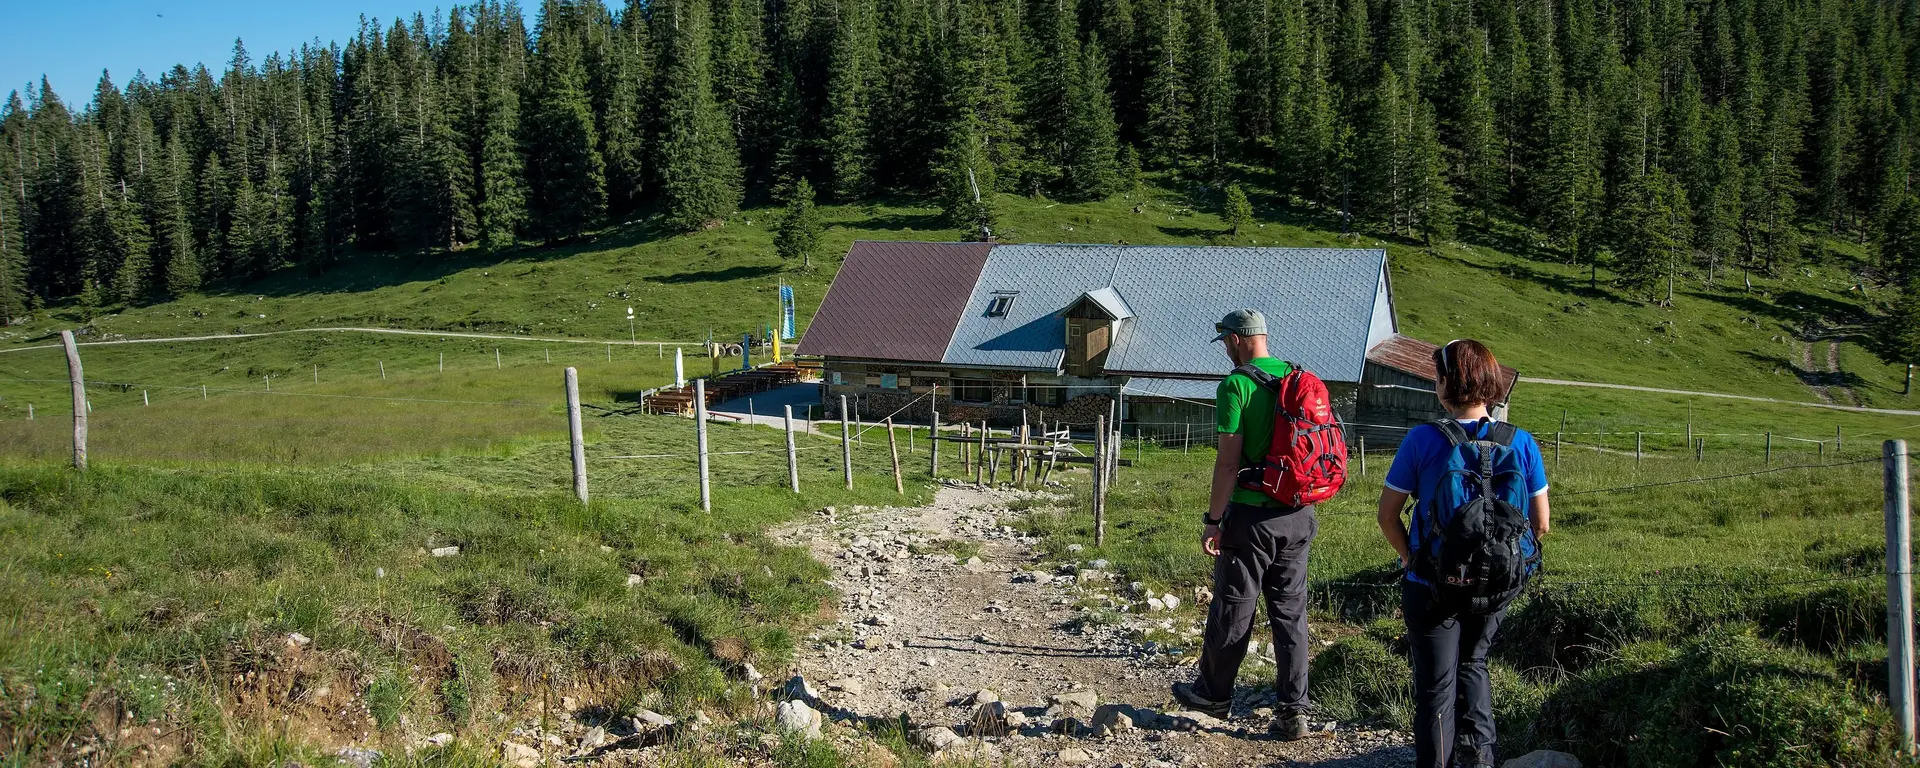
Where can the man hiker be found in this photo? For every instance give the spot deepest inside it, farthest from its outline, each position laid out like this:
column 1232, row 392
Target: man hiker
column 1259, row 546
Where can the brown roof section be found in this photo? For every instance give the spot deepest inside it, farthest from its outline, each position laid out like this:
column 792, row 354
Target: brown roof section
column 1415, row 357
column 895, row 301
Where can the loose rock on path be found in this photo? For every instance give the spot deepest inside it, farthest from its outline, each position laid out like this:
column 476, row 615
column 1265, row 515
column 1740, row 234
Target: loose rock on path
column 990, row 656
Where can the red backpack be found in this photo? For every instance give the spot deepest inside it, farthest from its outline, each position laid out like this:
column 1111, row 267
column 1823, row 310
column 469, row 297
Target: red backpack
column 1307, row 461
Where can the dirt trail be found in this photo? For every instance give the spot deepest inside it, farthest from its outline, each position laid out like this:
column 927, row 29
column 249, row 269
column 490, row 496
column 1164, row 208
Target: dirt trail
column 1836, row 380
column 1815, row 381
column 941, row 601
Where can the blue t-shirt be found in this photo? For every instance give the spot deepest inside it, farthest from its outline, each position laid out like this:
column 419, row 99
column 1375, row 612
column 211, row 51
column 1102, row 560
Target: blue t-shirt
column 1423, row 456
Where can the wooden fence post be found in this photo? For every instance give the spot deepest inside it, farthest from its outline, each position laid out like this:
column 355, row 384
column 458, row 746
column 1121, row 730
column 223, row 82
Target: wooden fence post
column 1769, row 453
column 966, row 449
column 980, row 467
column 933, row 445
column 443, row 362
column 793, row 455
column 1900, row 682
column 316, row 373
column 1100, row 439
column 576, row 435
column 1363, row 455
column 496, row 358
column 143, row 398
column 79, row 381
column 29, row 411
column 846, row 443
column 893, row 447
column 383, row 370
column 1636, row 450
column 700, row 418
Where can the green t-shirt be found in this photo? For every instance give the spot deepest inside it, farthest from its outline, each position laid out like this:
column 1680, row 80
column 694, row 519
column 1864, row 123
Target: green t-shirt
column 1242, row 407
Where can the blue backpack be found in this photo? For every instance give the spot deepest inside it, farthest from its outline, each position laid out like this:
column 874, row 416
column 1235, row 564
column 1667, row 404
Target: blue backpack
column 1473, row 544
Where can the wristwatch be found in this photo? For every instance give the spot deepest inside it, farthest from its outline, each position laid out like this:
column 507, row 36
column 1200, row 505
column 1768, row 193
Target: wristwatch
column 1211, row 521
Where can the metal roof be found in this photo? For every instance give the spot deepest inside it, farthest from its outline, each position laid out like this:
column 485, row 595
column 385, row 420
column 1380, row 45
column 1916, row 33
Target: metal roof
column 1323, row 305
column 895, row 301
column 1177, row 389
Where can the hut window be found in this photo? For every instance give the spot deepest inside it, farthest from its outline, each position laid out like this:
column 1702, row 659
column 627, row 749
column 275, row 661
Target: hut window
column 1049, row 395
column 973, row 390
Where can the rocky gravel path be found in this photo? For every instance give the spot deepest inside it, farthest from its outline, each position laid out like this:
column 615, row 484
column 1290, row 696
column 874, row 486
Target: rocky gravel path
column 949, row 619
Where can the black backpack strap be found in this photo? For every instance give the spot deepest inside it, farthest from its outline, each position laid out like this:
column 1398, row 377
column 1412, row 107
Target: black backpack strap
column 1260, row 377
column 1455, row 435
column 1501, row 433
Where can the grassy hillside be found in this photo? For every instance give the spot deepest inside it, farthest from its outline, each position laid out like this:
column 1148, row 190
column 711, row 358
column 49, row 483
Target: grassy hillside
column 1539, row 314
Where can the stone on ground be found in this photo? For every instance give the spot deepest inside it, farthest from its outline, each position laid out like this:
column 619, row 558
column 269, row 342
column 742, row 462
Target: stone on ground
column 1543, row 758
column 519, row 755
column 1084, row 700
column 936, row 738
column 797, row 687
column 849, row 685
column 1074, row 756
column 651, row 719
column 796, row 717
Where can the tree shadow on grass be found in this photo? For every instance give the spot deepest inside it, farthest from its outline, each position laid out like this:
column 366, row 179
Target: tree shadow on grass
column 1528, row 272
column 366, row 271
column 743, row 272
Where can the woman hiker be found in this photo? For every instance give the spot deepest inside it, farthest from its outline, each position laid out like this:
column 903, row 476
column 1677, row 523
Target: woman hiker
column 1460, row 578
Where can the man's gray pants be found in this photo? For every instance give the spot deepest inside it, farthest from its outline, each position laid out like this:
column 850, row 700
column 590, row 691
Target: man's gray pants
column 1263, row 556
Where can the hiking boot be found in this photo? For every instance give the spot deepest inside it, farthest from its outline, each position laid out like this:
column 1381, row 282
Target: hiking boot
column 1289, row 725
column 1188, row 695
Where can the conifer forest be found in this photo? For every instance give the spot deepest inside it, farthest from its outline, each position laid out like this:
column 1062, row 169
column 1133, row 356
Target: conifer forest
column 1649, row 138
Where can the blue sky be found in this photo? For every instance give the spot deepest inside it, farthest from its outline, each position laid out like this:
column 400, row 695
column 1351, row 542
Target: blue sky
column 70, row 41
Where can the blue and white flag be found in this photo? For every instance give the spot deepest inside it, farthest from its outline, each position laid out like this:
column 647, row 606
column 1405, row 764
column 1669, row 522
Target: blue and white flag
column 786, row 312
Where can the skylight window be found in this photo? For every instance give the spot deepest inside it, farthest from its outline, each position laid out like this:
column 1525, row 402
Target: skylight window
column 1001, row 304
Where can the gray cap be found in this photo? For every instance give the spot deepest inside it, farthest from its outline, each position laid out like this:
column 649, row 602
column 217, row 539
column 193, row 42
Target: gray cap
column 1241, row 322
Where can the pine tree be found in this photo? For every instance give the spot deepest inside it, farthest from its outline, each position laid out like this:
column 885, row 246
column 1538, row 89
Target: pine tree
column 1236, row 210
column 565, row 173
column 1091, row 162
column 799, row 233
column 1651, row 234
column 1382, row 154
column 1470, row 127
column 699, row 164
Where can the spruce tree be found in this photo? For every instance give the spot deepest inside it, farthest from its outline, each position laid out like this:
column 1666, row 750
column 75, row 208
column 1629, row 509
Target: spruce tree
column 566, row 175
column 1168, row 93
column 1430, row 204
column 699, row 165
column 1091, row 169
column 1210, row 78
column 851, row 90
column 799, row 233
column 967, row 195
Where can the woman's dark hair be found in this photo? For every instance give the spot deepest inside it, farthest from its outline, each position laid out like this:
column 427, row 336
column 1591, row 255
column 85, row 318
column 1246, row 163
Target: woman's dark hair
column 1471, row 375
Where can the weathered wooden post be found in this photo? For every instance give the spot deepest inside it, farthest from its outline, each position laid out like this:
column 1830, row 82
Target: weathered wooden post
column 1186, row 442
column 679, row 369
column 143, row 398
column 1900, row 683
column 267, row 382
column 966, row 449
column 80, row 405
column 1839, row 441
column 980, row 467
column 383, row 369
column 933, row 445
column 496, row 358
column 700, row 418
column 893, row 447
column 576, row 435
column 1636, row 450
column 443, row 362
column 846, row 444
column 316, row 373
column 1769, row 452
column 1363, row 455
column 29, row 411
column 1100, row 439
column 793, row 455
